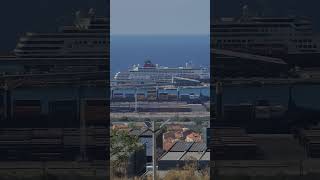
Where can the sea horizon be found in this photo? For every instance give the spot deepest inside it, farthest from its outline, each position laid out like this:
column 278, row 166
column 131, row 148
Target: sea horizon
column 166, row 50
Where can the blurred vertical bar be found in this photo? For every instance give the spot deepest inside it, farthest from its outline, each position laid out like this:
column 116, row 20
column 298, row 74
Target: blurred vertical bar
column 212, row 93
column 265, row 118
column 54, row 108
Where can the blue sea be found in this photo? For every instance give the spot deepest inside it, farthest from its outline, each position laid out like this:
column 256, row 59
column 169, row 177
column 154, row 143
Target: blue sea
column 165, row 50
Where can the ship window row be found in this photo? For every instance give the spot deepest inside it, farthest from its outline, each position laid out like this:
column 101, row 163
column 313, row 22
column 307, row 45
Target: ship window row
column 274, row 20
column 244, row 41
column 104, row 27
column 306, row 46
column 302, row 24
column 219, row 41
column 59, row 56
column 92, row 42
column 250, row 25
column 234, row 40
column 102, row 35
column 36, row 52
column 304, row 40
column 235, row 30
column 39, row 48
column 86, row 31
column 304, row 29
column 42, row 42
column 242, row 35
column 165, row 70
column 163, row 73
column 249, row 45
column 88, row 52
column 246, row 30
column 307, row 50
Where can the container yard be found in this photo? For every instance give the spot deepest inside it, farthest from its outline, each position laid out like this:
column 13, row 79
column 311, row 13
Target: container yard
column 127, row 94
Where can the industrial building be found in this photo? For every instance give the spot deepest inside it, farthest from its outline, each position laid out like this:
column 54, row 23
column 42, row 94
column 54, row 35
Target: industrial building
column 145, row 138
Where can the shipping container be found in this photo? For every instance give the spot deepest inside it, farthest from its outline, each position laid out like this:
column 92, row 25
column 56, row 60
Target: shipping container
column 184, row 97
column 141, row 97
column 163, row 96
column 172, row 97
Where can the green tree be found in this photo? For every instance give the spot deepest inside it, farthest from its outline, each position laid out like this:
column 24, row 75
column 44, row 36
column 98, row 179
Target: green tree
column 122, row 144
column 131, row 125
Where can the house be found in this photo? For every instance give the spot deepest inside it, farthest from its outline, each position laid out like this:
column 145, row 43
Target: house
column 193, row 137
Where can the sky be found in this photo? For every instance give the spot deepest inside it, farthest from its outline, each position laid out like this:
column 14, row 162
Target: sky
column 160, row 17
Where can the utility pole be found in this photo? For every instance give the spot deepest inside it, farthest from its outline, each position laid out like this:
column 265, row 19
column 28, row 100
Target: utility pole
column 154, row 151
column 154, row 131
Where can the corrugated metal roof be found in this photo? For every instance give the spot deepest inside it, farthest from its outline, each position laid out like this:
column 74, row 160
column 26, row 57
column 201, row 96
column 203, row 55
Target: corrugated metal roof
column 196, row 147
column 205, row 157
column 192, row 156
column 172, row 156
column 181, row 146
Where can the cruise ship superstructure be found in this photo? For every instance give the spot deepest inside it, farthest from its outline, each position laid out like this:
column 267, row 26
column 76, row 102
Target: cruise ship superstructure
column 79, row 48
column 289, row 38
column 151, row 73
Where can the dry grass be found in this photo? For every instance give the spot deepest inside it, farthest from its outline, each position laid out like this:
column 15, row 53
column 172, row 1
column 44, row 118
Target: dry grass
column 188, row 172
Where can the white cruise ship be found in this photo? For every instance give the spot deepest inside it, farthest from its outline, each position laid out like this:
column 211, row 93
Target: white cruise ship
column 292, row 39
column 81, row 47
column 151, row 73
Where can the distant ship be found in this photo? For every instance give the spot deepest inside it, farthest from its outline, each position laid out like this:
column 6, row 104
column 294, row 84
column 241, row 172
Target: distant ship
column 289, row 38
column 151, row 73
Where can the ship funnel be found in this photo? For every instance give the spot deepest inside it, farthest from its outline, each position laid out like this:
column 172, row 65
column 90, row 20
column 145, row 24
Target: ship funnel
column 245, row 12
column 189, row 64
column 91, row 12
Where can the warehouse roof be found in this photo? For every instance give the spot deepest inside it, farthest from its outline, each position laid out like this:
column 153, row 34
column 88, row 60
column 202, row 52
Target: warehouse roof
column 181, row 146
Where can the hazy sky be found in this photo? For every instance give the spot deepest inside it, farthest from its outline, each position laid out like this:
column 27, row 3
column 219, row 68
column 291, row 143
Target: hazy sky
column 160, row 17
